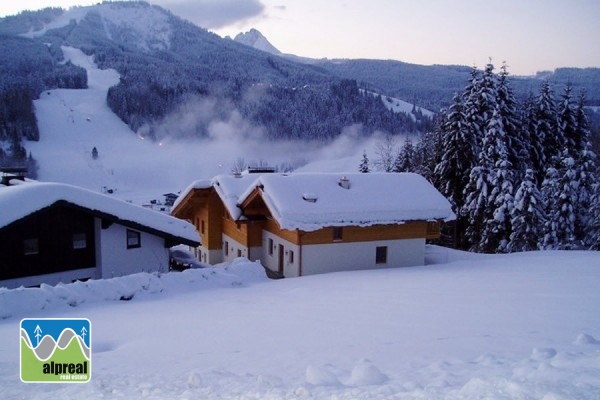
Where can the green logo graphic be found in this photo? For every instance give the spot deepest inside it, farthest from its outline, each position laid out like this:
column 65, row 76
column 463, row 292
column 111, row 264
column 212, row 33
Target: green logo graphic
column 56, row 350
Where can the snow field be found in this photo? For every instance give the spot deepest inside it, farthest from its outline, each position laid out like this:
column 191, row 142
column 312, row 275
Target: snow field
column 520, row 326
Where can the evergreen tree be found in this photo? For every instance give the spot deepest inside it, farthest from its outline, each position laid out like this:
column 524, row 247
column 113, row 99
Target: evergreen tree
column 593, row 236
column 405, row 158
column 527, row 216
column 567, row 132
column 428, row 154
column 480, row 97
column 545, row 132
column 550, row 189
column 586, row 175
column 458, row 157
column 562, row 205
column 533, row 143
column 364, row 163
column 474, row 210
column 517, row 140
column 494, row 159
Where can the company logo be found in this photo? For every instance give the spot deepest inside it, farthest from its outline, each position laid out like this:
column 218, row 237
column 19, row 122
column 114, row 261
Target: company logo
column 56, row 350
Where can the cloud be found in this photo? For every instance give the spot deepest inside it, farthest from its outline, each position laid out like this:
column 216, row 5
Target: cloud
column 213, row 14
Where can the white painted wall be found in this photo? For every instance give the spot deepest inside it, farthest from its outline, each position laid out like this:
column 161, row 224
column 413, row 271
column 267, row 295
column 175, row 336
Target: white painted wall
column 271, row 261
column 323, row 258
column 117, row 260
column 235, row 249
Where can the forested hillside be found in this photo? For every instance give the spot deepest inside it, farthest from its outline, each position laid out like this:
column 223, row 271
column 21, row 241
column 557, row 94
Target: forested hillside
column 168, row 62
column 27, row 68
column 433, row 87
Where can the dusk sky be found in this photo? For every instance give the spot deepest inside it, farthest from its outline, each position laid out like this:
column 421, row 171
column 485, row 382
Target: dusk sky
column 530, row 35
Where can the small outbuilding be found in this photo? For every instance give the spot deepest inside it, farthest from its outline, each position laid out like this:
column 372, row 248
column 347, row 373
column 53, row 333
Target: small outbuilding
column 52, row 232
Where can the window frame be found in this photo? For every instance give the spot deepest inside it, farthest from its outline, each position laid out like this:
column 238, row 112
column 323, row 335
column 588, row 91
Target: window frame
column 79, row 241
column 337, row 233
column 31, row 246
column 136, row 237
column 381, row 255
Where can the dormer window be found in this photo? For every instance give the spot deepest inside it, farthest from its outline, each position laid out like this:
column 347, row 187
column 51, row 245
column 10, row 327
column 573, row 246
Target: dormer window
column 310, row 197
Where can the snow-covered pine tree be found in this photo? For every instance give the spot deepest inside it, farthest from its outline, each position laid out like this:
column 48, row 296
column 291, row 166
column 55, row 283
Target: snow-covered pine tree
column 586, row 176
column 567, row 125
column 474, row 210
column 545, row 132
column 428, row 154
column 480, row 98
column 562, row 206
column 593, row 236
column 494, row 159
column 527, row 216
column 364, row 163
column 458, row 157
column 550, row 189
column 534, row 144
column 517, row 135
column 404, row 159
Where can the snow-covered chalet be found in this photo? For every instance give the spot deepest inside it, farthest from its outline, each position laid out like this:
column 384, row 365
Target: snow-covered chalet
column 309, row 223
column 51, row 233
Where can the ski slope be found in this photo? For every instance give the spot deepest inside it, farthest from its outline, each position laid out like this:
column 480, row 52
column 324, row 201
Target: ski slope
column 72, row 122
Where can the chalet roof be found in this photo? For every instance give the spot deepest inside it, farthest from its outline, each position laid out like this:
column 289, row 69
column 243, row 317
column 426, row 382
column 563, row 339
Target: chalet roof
column 310, row 201
column 17, row 202
column 228, row 187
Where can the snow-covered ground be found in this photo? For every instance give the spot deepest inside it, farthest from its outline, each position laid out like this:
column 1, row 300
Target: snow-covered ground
column 520, row 326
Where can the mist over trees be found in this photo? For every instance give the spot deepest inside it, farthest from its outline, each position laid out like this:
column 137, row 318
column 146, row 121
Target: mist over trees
column 519, row 175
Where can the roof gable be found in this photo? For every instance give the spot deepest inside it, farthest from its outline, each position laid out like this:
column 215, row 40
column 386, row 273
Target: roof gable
column 18, row 202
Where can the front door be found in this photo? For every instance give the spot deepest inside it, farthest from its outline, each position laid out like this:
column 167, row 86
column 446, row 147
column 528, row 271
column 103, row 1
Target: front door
column 280, row 259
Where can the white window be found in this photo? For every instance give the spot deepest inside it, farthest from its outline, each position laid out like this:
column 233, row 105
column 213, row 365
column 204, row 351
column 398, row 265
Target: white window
column 79, row 241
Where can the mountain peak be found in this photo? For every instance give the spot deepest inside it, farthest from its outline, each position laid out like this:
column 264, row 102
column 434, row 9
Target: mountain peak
column 254, row 38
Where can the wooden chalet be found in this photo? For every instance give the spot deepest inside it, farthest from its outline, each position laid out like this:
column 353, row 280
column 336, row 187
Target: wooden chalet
column 302, row 224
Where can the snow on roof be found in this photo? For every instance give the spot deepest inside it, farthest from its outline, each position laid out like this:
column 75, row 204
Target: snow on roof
column 17, row 202
column 228, row 187
column 199, row 184
column 312, row 201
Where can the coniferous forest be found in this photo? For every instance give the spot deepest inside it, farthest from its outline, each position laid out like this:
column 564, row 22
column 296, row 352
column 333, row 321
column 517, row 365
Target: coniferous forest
column 520, row 175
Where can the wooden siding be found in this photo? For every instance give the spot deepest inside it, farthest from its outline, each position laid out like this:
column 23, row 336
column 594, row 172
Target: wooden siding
column 291, row 236
column 433, row 230
column 212, row 215
column 236, row 231
column 350, row 234
column 53, row 228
